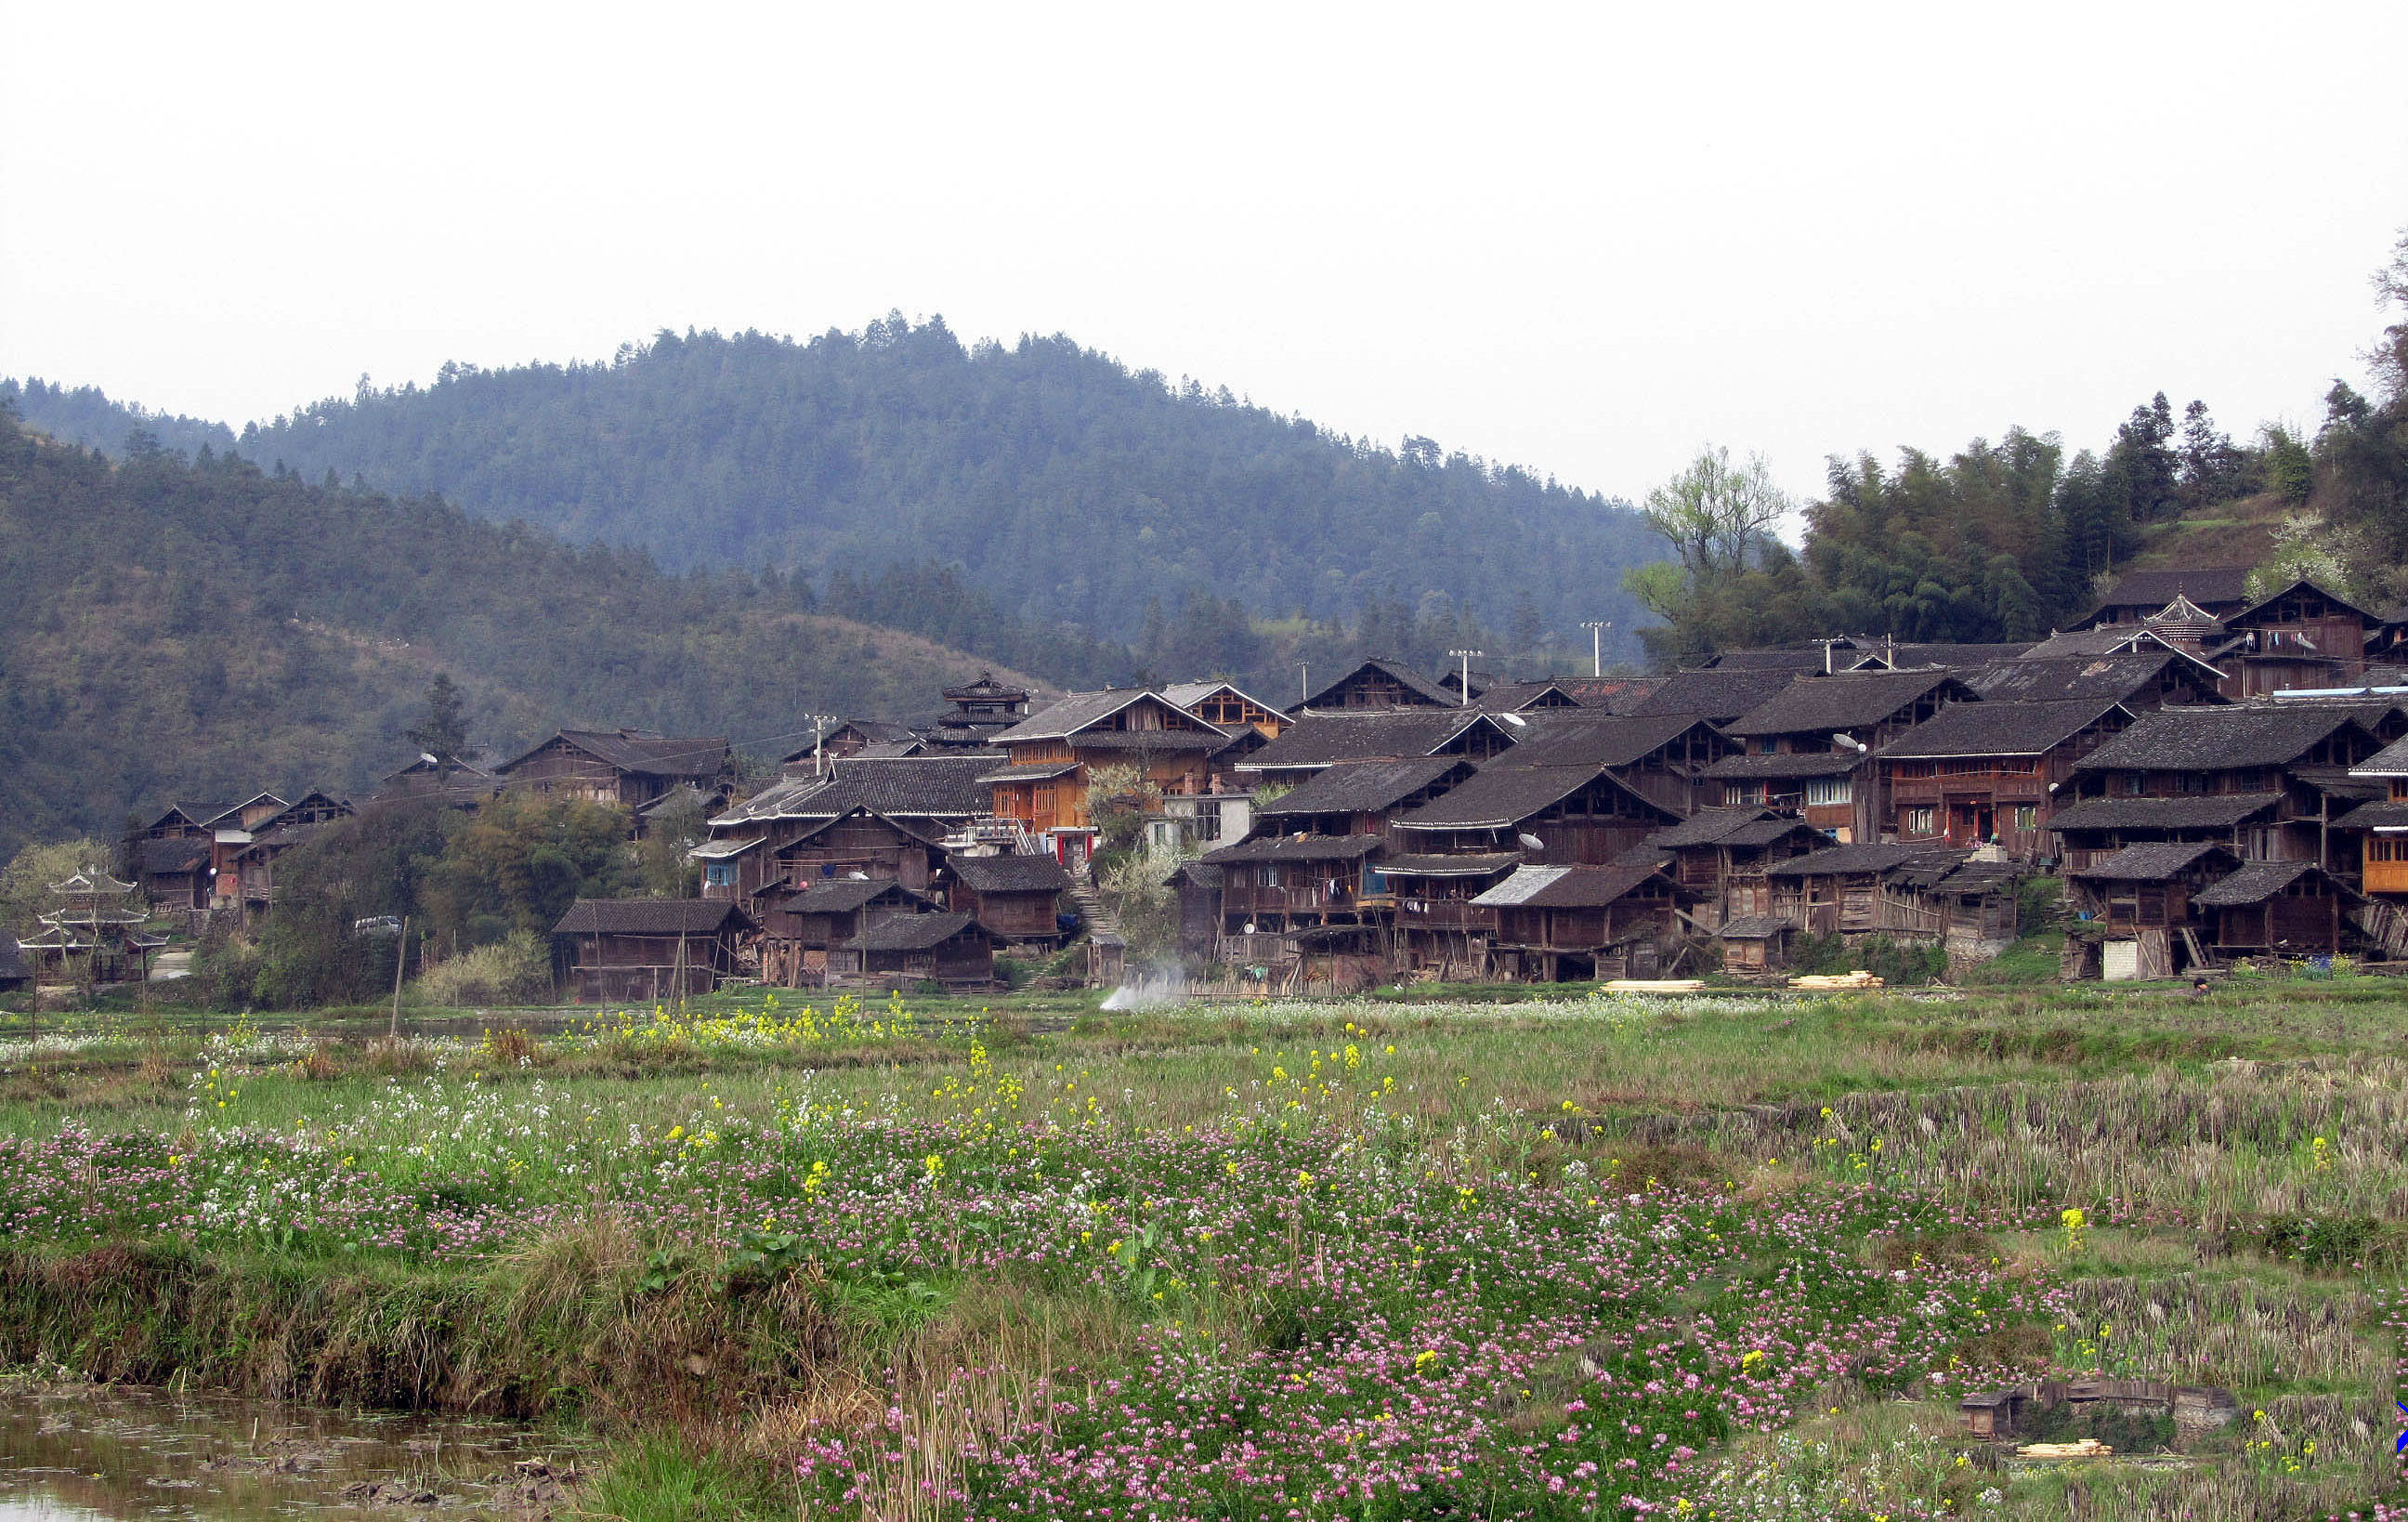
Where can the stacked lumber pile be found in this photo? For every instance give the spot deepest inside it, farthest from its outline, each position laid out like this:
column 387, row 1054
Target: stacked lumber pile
column 1653, row 985
column 2086, row 1448
column 1827, row 982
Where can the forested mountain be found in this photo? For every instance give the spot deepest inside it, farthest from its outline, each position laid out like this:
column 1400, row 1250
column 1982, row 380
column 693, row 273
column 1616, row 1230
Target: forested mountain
column 193, row 630
column 1062, row 485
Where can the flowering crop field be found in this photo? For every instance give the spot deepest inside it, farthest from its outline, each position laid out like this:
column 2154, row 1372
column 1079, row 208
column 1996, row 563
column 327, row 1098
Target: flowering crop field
column 1587, row 1258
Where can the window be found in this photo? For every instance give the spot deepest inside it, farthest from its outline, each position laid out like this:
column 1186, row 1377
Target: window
column 2027, row 816
column 1829, row 790
column 1918, row 821
column 1739, row 794
column 719, row 874
column 1268, row 876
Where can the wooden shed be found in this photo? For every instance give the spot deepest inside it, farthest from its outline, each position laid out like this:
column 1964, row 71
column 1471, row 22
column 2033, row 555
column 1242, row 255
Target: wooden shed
column 951, row 949
column 805, row 928
column 1561, row 923
column 632, row 949
column 1018, row 899
column 2282, row 907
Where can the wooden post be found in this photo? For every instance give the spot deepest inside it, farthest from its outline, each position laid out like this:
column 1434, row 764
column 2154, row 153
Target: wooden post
column 400, row 961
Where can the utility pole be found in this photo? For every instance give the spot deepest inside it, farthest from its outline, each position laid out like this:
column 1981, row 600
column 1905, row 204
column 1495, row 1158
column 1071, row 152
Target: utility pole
column 1303, row 683
column 1466, row 655
column 818, row 734
column 1597, row 628
column 400, row 960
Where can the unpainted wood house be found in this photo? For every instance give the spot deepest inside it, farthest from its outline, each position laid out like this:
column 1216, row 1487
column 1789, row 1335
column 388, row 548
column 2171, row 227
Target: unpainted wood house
column 2301, row 635
column 1286, row 882
column 2148, row 893
column 805, row 928
column 1051, row 755
column 1722, row 855
column 2300, row 752
column 1854, row 890
column 2219, row 590
column 1571, row 923
column 244, row 860
column 624, row 767
column 1818, row 735
column 1661, row 758
column 784, row 834
column 1565, row 814
column 1379, row 684
column 2094, row 829
column 1317, row 742
column 1990, row 772
column 614, row 950
column 2281, row 909
column 948, row 948
column 1018, row 899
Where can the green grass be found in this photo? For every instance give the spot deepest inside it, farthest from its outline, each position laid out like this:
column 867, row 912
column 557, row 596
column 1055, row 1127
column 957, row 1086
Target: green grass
column 2229, row 1244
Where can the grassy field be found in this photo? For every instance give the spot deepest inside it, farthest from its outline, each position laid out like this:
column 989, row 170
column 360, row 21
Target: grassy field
column 1455, row 1256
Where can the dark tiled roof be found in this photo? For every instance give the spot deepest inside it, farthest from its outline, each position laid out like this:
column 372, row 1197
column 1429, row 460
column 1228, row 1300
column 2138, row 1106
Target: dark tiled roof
column 1148, row 741
column 1786, row 658
column 1195, row 874
column 1009, row 874
column 1464, row 864
column 1075, row 712
column 2049, row 679
column 1566, row 887
column 1818, row 704
column 873, row 731
column 1850, row 859
column 1499, row 796
column 1512, row 696
column 2382, row 814
column 843, row 895
column 2153, row 589
column 1361, row 786
column 2207, row 811
column 1751, row 928
column 2391, row 761
column 2249, row 615
column 2113, row 639
column 186, row 854
column 2158, row 862
column 1403, row 675
column 1318, row 739
column 912, row 932
column 1721, row 693
column 1035, row 771
column 2255, row 882
column 1582, row 737
column 1613, row 695
column 1954, row 657
column 2000, row 728
column 1710, row 827
column 648, row 917
column 646, row 755
column 920, row 786
column 1296, row 848
column 2216, row 738
column 1741, row 769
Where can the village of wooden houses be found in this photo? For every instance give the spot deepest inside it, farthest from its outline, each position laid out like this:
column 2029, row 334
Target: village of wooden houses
column 2212, row 779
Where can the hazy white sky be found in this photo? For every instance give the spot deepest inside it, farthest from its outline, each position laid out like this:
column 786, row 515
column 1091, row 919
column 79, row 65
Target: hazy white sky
column 1585, row 240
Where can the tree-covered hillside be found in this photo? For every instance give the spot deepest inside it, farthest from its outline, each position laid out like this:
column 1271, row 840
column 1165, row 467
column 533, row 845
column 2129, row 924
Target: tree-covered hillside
column 1059, row 483
column 192, row 630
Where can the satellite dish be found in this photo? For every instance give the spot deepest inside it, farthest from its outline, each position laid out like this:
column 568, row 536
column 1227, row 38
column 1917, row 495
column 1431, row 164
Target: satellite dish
column 1531, row 843
column 1516, row 720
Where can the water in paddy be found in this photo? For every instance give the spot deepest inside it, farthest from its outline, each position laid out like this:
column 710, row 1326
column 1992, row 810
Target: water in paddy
column 80, row 1453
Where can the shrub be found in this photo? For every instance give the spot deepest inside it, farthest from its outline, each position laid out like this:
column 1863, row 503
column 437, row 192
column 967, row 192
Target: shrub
column 512, row 971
